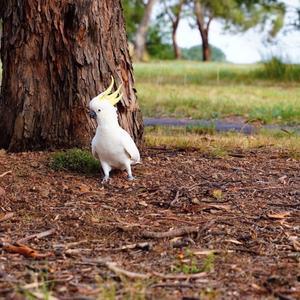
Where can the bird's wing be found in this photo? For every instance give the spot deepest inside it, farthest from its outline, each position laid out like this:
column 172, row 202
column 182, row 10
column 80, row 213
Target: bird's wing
column 130, row 147
column 94, row 152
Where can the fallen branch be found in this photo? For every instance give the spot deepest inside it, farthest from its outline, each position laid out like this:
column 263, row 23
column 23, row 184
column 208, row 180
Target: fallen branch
column 6, row 217
column 5, row 173
column 37, row 236
column 171, row 233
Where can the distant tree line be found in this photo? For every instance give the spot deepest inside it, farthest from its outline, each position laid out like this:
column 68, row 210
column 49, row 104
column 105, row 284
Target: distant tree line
column 236, row 15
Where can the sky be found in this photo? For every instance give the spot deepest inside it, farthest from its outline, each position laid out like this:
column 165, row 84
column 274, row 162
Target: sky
column 248, row 47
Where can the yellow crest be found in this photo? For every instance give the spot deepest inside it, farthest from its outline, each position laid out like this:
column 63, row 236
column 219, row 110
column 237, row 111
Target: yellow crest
column 113, row 98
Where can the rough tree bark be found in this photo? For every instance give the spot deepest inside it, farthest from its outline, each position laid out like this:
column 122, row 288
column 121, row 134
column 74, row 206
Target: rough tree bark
column 203, row 29
column 141, row 35
column 56, row 56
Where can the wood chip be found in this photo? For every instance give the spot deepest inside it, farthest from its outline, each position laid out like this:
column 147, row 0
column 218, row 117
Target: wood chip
column 233, row 241
column 171, row 233
column 7, row 216
column 279, row 216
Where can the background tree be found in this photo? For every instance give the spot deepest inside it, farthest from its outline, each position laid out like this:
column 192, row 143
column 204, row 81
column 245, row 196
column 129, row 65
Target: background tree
column 193, row 53
column 173, row 11
column 238, row 14
column 56, row 57
column 141, row 34
column 133, row 13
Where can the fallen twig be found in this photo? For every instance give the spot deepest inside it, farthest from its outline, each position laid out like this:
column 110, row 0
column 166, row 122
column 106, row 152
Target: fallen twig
column 180, row 276
column 113, row 267
column 172, row 233
column 174, row 285
column 6, row 173
column 175, row 200
column 6, row 217
column 138, row 246
column 37, row 235
column 74, row 252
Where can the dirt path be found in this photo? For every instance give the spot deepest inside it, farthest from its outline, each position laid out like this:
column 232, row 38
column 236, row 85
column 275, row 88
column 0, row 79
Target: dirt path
column 242, row 214
column 231, row 124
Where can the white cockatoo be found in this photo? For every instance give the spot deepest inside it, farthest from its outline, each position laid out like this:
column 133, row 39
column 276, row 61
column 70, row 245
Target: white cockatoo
column 111, row 145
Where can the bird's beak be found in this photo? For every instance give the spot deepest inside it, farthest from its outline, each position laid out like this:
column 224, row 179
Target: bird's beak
column 93, row 115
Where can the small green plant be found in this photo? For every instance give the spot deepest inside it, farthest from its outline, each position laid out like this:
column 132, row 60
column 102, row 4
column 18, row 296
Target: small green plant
column 76, row 160
column 209, row 294
column 126, row 289
column 43, row 289
column 108, row 290
column 208, row 263
column 187, row 263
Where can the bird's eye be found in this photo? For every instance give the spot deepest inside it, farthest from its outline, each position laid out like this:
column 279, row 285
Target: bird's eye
column 99, row 110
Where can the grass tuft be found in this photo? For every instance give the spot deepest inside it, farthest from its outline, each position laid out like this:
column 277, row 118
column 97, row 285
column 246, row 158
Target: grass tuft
column 75, row 160
column 275, row 69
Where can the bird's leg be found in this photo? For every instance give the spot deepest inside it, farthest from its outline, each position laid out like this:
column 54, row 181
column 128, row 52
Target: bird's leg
column 128, row 169
column 106, row 169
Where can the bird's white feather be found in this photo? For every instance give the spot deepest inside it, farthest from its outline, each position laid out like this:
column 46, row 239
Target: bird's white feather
column 130, row 147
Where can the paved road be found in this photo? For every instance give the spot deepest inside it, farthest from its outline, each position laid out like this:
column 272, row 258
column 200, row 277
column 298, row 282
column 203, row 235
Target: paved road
column 218, row 125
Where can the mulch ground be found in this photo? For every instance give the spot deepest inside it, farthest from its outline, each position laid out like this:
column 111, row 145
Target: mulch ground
column 189, row 227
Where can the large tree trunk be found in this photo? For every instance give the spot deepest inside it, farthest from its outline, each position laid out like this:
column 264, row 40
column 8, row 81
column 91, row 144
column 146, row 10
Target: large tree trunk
column 56, row 57
column 141, row 35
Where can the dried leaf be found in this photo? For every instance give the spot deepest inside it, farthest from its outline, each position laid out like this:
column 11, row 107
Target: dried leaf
column 24, row 250
column 217, row 194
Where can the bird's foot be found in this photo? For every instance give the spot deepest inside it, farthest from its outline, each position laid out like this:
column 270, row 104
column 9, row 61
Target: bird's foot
column 130, row 178
column 105, row 179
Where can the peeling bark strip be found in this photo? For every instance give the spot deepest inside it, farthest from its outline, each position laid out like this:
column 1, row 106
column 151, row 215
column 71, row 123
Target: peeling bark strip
column 56, row 56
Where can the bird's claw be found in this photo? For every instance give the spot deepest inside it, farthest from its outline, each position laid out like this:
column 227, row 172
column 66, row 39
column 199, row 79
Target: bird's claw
column 105, row 180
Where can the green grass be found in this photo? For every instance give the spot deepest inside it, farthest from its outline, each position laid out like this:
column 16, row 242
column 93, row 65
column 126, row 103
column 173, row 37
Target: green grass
column 212, row 90
column 75, row 160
